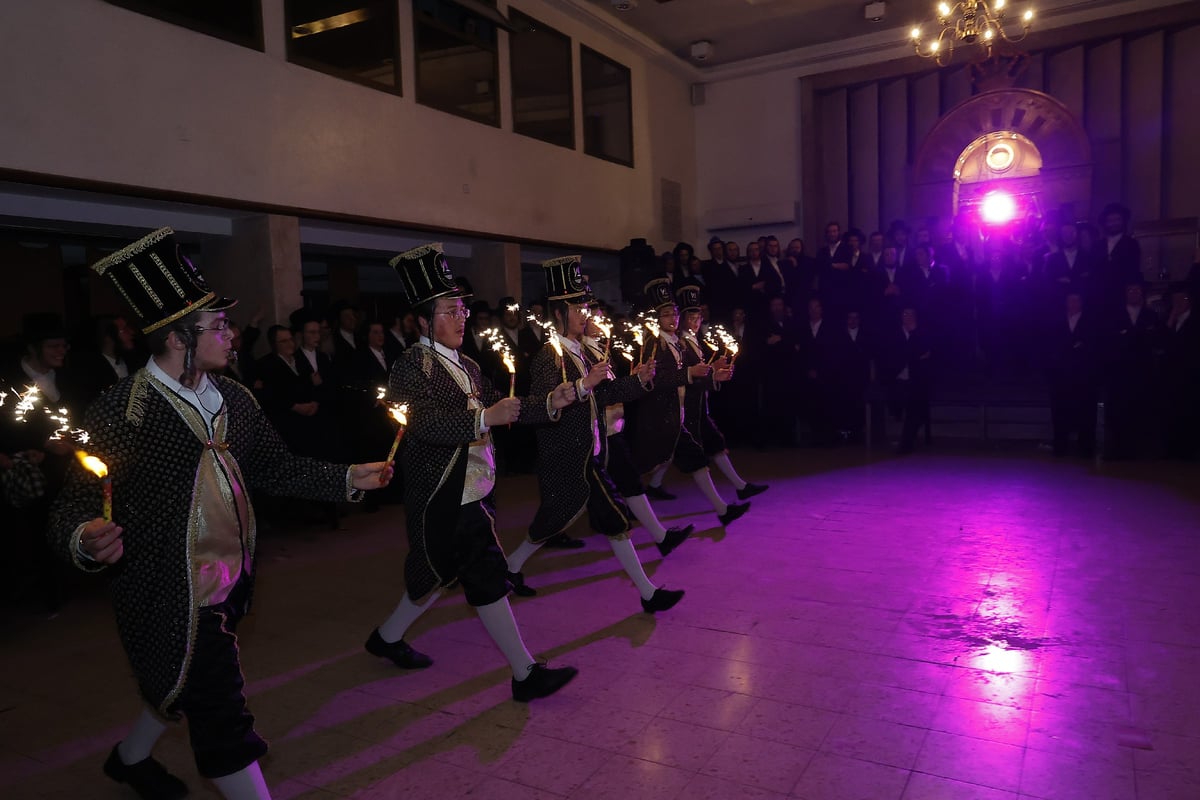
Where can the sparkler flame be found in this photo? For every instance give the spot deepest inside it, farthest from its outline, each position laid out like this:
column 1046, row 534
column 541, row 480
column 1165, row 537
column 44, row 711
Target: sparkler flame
column 500, row 344
column 399, row 413
column 380, row 392
column 92, row 464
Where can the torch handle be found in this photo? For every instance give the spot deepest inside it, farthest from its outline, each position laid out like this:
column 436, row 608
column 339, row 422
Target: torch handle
column 106, row 486
column 391, row 456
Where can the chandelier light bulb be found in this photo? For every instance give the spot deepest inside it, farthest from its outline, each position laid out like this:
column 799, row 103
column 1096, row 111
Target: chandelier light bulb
column 1028, row 17
column 916, row 33
column 987, row 34
column 933, row 46
column 998, row 5
column 943, row 9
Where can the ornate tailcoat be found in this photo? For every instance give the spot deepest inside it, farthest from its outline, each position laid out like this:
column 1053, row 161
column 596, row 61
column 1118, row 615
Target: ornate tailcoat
column 655, row 421
column 696, row 417
column 157, row 451
column 566, row 450
column 443, row 421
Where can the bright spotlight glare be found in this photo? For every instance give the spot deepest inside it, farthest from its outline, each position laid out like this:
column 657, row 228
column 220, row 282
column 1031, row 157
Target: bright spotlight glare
column 998, row 208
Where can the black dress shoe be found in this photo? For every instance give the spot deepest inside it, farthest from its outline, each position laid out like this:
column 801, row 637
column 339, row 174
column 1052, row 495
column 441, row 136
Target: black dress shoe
column 662, row 600
column 399, row 653
column 674, row 538
column 541, row 682
column 732, row 512
column 563, row 542
column 519, row 587
column 659, row 493
column 751, row 489
column 148, row 778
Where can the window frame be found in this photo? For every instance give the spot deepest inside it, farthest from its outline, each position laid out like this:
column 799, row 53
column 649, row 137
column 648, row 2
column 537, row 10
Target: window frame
column 628, row 99
column 320, row 66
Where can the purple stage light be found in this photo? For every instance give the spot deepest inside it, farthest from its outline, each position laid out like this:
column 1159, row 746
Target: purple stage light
column 998, row 208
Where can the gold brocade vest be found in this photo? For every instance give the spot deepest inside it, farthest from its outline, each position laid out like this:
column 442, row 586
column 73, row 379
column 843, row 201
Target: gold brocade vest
column 221, row 521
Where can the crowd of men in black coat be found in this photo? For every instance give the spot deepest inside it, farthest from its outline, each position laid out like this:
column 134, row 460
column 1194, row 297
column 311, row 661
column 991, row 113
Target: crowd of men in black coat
column 870, row 323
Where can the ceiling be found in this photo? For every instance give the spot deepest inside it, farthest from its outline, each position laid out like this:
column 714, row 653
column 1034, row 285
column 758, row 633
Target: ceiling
column 742, row 29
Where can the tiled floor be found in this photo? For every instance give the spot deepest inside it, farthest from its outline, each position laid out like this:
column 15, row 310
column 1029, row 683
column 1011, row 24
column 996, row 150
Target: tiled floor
column 943, row 626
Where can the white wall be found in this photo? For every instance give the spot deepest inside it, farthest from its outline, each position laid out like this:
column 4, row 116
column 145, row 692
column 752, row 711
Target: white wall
column 748, row 157
column 98, row 93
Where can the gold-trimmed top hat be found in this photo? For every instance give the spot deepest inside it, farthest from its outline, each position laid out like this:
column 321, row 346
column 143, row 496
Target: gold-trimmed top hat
column 425, row 274
column 688, row 298
column 658, row 294
column 564, row 280
column 158, row 282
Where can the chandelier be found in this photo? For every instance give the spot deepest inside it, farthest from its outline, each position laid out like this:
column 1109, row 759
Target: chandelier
column 969, row 22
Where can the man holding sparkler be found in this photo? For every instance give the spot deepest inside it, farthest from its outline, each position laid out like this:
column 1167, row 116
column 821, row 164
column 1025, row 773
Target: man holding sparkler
column 449, row 469
column 696, row 419
column 618, row 460
column 182, row 448
column 660, row 438
column 571, row 455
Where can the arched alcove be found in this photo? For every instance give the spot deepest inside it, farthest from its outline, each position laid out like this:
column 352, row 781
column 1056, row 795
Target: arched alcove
column 1049, row 149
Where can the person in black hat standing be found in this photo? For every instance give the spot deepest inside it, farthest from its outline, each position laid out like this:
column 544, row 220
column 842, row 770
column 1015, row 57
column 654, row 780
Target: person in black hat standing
column 449, row 470
column 40, row 458
column 660, row 437
column 571, row 455
column 696, row 419
column 183, row 448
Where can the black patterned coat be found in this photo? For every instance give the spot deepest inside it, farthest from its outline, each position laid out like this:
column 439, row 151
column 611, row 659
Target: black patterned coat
column 696, row 417
column 570, row 478
column 433, row 456
column 655, row 429
column 152, row 456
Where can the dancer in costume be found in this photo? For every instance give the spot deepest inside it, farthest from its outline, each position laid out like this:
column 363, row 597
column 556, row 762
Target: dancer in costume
column 660, row 437
column 571, row 461
column 183, row 448
column 696, row 419
column 449, row 470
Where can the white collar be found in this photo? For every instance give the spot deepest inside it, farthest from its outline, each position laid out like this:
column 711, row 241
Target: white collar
column 34, row 375
column 441, row 350
column 572, row 345
column 670, row 338
column 202, row 383
column 348, row 336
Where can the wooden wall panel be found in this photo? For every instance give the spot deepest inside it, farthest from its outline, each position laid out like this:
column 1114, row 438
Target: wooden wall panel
column 893, row 151
column 834, row 155
column 1064, row 78
column 956, row 86
column 1102, row 102
column 1142, row 125
column 924, row 109
column 864, row 156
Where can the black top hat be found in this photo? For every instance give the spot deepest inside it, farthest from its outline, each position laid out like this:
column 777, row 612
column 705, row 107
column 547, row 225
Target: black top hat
column 688, row 297
column 564, row 281
column 658, row 294
column 158, row 282
column 426, row 274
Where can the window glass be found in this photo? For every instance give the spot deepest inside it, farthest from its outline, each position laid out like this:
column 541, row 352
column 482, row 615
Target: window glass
column 456, row 60
column 607, row 108
column 352, row 39
column 238, row 21
column 542, row 100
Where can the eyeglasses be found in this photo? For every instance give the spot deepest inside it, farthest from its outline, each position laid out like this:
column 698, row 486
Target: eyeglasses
column 458, row 313
column 219, row 325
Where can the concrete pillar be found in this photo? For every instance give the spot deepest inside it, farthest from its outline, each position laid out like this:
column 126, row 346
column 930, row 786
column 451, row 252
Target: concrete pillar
column 495, row 271
column 260, row 266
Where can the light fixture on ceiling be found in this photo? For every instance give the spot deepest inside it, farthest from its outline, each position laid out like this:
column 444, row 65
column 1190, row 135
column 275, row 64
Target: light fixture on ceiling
column 969, row 22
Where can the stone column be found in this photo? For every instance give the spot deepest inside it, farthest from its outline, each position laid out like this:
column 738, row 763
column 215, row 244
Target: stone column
column 495, row 271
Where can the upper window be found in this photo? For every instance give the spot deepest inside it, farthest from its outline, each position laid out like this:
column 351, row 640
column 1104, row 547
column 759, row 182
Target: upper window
column 542, row 99
column 456, row 60
column 238, row 21
column 607, row 108
column 353, row 39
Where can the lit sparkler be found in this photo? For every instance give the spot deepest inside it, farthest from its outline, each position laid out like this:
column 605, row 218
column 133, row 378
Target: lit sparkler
column 400, row 414
column 100, row 470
